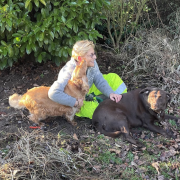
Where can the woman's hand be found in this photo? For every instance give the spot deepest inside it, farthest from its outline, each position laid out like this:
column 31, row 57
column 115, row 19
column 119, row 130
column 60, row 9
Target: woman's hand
column 79, row 102
column 115, row 97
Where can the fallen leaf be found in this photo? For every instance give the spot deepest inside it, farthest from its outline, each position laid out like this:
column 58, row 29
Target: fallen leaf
column 97, row 168
column 161, row 177
column 19, row 87
column 142, row 135
column 139, row 163
column 175, row 165
column 115, row 150
column 117, row 145
column 75, row 137
column 79, row 150
column 35, row 85
column 163, row 156
column 141, row 170
column 134, row 164
column 156, row 166
column 15, row 172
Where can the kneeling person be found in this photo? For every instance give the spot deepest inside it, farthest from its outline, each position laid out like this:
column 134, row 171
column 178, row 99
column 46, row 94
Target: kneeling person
column 109, row 85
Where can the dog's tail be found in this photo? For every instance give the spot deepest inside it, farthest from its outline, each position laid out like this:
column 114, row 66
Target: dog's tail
column 14, row 101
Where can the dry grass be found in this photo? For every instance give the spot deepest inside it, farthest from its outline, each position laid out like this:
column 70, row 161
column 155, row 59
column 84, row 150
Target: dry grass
column 156, row 56
column 40, row 156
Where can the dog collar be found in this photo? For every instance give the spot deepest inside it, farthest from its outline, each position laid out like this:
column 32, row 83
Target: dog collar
column 158, row 114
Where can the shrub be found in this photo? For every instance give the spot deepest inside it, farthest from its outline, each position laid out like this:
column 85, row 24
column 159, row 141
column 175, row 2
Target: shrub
column 47, row 29
column 121, row 19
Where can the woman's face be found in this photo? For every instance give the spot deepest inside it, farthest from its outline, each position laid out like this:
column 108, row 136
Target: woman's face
column 90, row 57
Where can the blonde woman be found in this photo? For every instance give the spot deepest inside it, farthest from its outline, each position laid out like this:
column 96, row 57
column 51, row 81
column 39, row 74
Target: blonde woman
column 109, row 85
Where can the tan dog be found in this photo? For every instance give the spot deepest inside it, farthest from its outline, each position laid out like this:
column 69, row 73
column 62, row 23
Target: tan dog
column 36, row 100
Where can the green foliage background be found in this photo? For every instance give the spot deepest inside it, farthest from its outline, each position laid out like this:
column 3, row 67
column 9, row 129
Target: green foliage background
column 46, row 28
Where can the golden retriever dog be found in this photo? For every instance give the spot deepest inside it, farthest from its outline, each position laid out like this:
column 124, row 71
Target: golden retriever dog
column 36, row 100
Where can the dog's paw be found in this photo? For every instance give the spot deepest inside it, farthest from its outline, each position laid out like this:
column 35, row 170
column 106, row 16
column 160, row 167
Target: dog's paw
column 170, row 134
column 139, row 144
column 44, row 128
column 74, row 123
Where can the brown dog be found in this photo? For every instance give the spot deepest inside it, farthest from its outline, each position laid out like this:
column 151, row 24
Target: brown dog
column 141, row 107
column 40, row 106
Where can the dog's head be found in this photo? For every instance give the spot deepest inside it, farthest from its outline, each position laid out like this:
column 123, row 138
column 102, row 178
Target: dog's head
column 80, row 70
column 79, row 77
column 156, row 99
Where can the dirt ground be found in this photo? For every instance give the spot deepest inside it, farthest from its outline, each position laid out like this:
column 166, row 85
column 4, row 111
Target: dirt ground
column 27, row 74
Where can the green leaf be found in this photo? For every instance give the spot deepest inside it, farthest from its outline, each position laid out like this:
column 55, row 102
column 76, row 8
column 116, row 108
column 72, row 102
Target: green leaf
column 16, row 50
column 57, row 60
column 22, row 48
column 2, row 27
column 28, row 49
column 16, row 35
column 9, row 22
column 31, row 40
column 56, row 3
column 61, row 52
column 46, row 41
column 24, row 39
column 4, row 52
column 48, row 56
column 21, row 32
column 8, row 28
column 39, row 58
column 40, row 43
column 10, row 62
column 65, row 53
column 73, row 3
column 43, row 12
column 4, row 63
column 27, row 3
column 43, row 2
column 75, row 28
column 63, row 19
column 37, row 29
column 69, row 25
column 51, row 34
column 34, row 48
column 56, row 35
column 41, row 36
column 3, row 43
column 10, row 51
column 30, row 7
column 90, row 37
column 36, row 2
column 20, row 5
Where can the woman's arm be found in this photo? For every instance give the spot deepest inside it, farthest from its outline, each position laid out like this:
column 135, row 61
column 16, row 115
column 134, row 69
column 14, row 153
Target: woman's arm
column 101, row 83
column 56, row 91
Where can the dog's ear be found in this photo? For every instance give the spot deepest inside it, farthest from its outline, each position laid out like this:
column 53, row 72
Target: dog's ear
column 145, row 91
column 168, row 97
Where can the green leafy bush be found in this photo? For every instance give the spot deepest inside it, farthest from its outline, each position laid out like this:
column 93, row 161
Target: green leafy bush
column 46, row 28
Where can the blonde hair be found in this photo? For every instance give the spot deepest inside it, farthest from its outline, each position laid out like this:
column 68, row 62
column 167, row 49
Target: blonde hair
column 80, row 48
